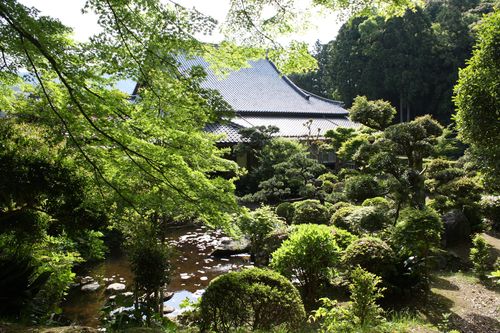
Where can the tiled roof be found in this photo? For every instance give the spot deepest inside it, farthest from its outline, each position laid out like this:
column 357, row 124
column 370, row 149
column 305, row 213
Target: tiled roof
column 262, row 89
column 295, row 127
column 230, row 129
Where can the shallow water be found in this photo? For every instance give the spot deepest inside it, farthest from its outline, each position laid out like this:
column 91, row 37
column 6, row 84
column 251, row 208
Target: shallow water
column 193, row 269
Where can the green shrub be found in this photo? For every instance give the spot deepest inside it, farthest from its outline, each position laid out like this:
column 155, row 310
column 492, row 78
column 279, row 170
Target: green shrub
column 19, row 284
column 367, row 219
column 336, row 206
column 308, row 256
column 417, row 236
column 57, row 257
column 480, row 256
column 490, row 207
column 329, row 177
column 149, row 262
column 258, row 226
column 378, row 202
column 340, row 218
column 361, row 314
column 91, row 246
column 364, row 295
column 362, row 187
column 371, row 254
column 310, row 211
column 343, row 238
column 328, row 181
column 286, row 211
column 256, row 299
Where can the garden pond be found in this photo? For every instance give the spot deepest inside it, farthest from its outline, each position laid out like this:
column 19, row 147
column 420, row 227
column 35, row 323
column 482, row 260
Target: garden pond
column 194, row 265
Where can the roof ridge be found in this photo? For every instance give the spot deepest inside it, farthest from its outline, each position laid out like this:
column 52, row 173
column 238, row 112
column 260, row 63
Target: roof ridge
column 289, row 82
column 340, row 103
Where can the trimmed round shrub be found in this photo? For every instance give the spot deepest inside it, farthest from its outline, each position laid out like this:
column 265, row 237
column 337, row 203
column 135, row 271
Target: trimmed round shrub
column 367, row 219
column 343, row 238
column 308, row 256
column 362, row 187
column 417, row 232
column 340, row 218
column 310, row 211
column 378, row 202
column 286, row 211
column 253, row 299
column 372, row 254
column 336, row 206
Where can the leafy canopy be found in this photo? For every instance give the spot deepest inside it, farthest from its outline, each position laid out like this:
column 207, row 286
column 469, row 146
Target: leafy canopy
column 477, row 97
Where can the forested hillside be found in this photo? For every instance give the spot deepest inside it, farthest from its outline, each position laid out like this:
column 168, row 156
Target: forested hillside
column 411, row 61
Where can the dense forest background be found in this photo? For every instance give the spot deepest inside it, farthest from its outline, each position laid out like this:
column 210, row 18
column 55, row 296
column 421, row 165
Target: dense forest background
column 410, row 60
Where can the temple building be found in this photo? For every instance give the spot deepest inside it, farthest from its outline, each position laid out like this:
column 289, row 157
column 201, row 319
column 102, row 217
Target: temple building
column 262, row 96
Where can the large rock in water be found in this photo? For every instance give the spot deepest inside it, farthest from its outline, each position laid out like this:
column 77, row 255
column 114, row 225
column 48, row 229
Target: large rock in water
column 456, row 227
column 114, row 287
column 228, row 246
column 91, row 286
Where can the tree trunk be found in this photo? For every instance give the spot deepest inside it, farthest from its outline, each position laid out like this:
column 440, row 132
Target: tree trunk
column 401, row 108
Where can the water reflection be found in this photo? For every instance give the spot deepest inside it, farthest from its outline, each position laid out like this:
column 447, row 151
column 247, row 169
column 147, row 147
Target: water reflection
column 193, row 269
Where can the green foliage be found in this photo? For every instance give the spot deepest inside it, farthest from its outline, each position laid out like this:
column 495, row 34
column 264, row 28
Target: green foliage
column 477, row 99
column 416, row 237
column 339, row 135
column 343, row 238
column 91, row 245
column 374, row 114
column 310, row 211
column 440, row 35
column 19, row 284
column 379, row 202
column 340, row 218
column 364, row 294
column 367, row 220
column 480, row 256
column 255, row 299
column 494, row 276
column 286, row 210
column 258, row 226
column 362, row 187
column 350, row 147
column 55, row 256
column 372, row 254
column 285, row 171
column 418, row 232
column 308, row 256
column 328, row 181
column 333, row 317
column 149, row 262
column 46, row 209
column 361, row 314
column 336, row 206
column 490, row 207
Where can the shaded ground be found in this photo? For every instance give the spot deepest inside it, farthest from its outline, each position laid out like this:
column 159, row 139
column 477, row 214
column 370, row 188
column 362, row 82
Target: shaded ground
column 459, row 300
column 471, row 306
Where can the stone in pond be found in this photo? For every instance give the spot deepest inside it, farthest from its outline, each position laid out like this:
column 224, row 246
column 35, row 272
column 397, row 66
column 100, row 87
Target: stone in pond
column 203, row 278
column 116, row 287
column 167, row 296
column 91, row 287
column 168, row 309
column 87, row 279
column 128, row 294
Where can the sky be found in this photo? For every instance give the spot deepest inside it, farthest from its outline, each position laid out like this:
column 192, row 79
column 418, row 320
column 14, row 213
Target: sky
column 325, row 25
